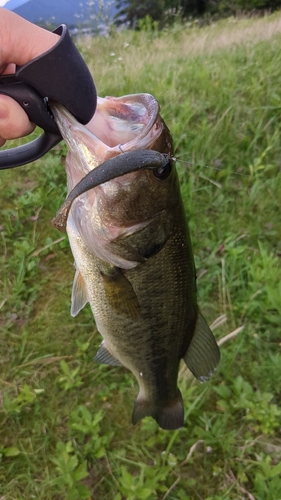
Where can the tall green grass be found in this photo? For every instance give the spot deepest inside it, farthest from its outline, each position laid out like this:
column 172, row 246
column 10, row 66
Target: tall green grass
column 65, row 421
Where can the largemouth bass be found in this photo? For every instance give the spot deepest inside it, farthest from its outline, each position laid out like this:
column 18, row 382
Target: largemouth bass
column 133, row 255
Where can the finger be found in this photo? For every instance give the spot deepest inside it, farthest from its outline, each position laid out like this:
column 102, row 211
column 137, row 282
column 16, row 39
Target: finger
column 22, row 40
column 9, row 70
column 14, row 121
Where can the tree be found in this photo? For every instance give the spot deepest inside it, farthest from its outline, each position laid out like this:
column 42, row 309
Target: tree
column 220, row 7
column 130, row 11
column 193, row 7
column 228, row 7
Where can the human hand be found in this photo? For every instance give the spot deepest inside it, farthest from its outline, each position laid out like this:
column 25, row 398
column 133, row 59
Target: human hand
column 20, row 42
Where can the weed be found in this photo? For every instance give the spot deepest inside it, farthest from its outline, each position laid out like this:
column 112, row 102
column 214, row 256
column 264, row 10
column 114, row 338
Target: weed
column 69, row 473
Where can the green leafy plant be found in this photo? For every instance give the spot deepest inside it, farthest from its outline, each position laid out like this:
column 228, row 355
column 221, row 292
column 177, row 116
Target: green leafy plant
column 25, row 397
column 144, row 483
column 257, row 407
column 70, row 473
column 70, row 379
column 87, row 431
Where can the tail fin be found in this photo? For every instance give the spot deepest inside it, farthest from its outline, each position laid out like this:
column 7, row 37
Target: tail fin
column 169, row 415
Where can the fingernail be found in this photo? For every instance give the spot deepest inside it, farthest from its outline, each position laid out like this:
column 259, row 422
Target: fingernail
column 4, row 111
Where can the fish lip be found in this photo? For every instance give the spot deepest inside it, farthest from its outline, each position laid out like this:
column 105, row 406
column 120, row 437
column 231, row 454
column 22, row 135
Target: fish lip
column 65, row 118
column 143, row 113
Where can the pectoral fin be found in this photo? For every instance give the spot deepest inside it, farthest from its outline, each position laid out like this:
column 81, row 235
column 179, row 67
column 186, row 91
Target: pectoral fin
column 79, row 296
column 103, row 356
column 203, row 355
column 120, row 293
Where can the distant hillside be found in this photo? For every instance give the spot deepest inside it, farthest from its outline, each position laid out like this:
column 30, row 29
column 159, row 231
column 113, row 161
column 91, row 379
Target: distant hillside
column 70, row 12
column 12, row 4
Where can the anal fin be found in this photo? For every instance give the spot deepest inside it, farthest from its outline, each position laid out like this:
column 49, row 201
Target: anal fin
column 105, row 357
column 79, row 296
column 203, row 355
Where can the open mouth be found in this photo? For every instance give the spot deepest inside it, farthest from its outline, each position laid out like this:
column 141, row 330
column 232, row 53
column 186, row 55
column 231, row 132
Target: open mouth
column 124, row 120
column 119, row 125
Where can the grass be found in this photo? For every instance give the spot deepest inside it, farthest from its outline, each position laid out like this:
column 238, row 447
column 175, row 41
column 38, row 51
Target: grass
column 65, row 421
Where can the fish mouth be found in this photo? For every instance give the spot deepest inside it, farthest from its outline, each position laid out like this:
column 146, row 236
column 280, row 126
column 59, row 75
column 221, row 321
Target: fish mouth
column 126, row 122
column 120, row 124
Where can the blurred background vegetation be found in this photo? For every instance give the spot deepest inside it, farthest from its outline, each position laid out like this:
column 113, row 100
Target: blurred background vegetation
column 165, row 11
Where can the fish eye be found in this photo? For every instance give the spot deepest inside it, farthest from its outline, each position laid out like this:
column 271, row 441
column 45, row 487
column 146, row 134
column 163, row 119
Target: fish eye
column 163, row 172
